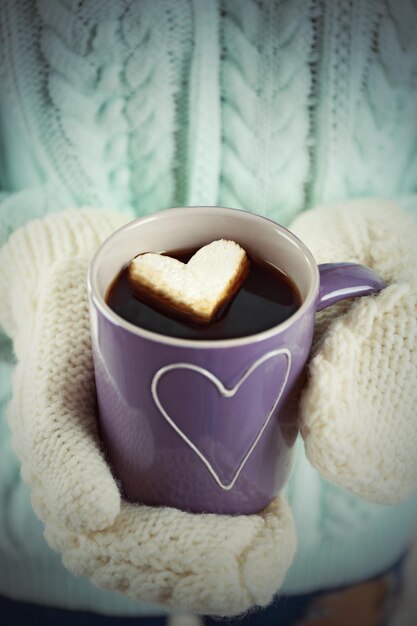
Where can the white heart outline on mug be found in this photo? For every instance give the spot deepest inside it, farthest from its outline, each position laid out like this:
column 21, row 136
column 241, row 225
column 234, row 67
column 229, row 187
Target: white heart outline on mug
column 226, row 393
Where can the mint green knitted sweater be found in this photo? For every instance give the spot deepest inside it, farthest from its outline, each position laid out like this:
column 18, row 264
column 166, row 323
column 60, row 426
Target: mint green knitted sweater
column 268, row 106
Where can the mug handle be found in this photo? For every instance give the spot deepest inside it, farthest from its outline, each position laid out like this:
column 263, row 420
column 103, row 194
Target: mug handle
column 339, row 281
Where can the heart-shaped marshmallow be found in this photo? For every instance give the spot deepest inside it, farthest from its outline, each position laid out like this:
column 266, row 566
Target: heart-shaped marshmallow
column 196, row 289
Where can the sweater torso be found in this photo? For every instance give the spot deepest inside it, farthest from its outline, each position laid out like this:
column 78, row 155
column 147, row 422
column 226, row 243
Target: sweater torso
column 272, row 107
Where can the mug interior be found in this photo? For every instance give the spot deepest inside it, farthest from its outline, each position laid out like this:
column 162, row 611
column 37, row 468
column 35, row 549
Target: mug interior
column 192, row 227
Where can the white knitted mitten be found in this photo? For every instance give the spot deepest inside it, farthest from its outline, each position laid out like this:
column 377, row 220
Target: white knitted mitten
column 213, row 564
column 359, row 407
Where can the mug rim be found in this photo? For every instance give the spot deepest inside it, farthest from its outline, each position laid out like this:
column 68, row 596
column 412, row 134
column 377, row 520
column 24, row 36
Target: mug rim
column 98, row 300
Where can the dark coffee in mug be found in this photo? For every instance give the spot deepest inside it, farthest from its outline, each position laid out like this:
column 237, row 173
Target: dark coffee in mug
column 266, row 298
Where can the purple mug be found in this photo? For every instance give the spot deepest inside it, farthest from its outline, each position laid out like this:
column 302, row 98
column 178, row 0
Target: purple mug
column 207, row 426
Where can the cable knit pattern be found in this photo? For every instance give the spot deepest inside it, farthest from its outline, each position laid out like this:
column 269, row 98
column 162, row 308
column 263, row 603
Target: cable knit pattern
column 266, row 54
column 392, row 80
column 366, row 127
column 180, row 35
column 66, row 47
column 150, row 111
column 109, row 109
column 204, row 134
column 358, row 409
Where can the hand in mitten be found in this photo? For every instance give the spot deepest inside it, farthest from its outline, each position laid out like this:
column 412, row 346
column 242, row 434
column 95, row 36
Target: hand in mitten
column 359, row 407
column 201, row 563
